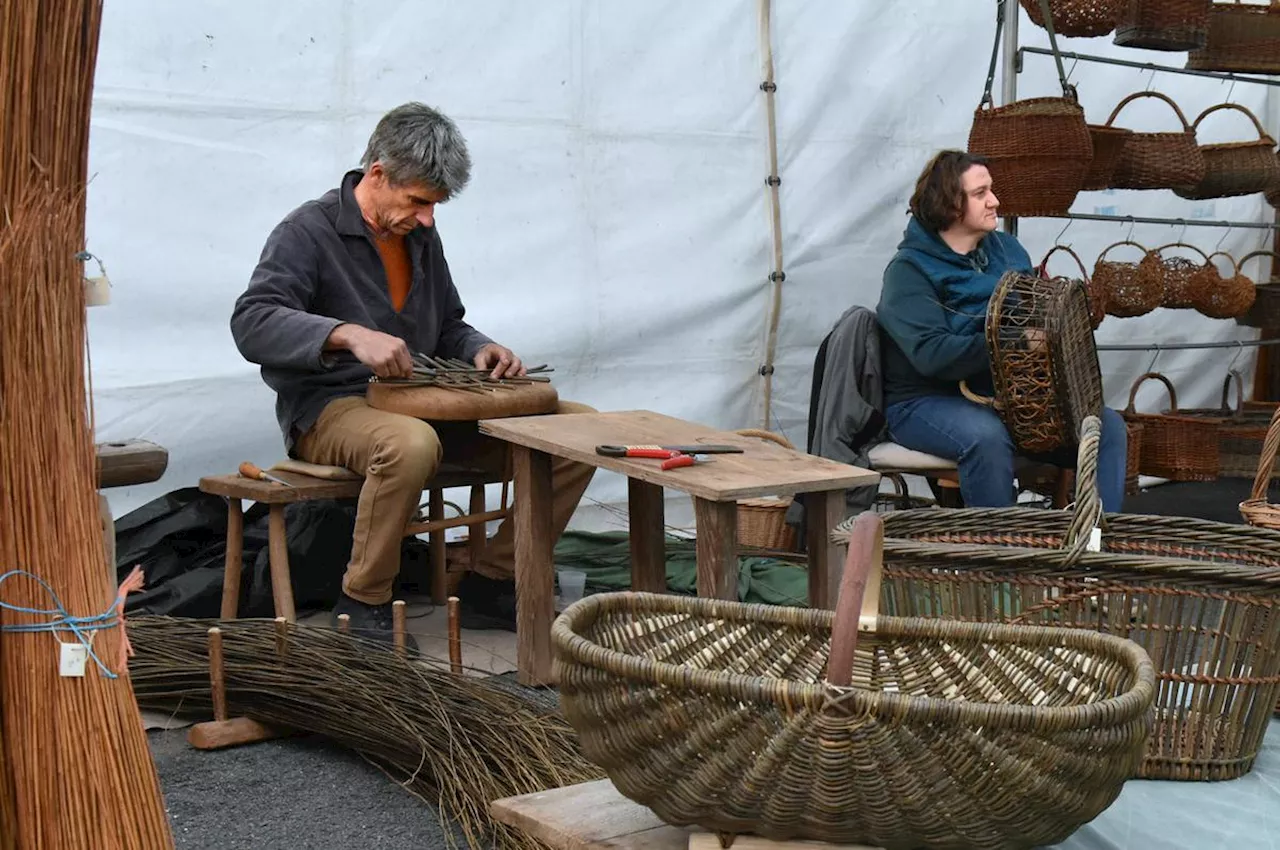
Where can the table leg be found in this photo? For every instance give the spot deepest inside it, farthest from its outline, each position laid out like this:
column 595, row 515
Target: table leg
column 231, row 572
column 717, row 548
column 647, row 535
column 278, row 555
column 535, row 568
column 824, row 510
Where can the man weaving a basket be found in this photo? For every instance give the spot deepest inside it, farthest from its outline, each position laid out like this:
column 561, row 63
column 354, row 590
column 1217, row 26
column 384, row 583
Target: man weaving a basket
column 349, row 286
column 932, row 313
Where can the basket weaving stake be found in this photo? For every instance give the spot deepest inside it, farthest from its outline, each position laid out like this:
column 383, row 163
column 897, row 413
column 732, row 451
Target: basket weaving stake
column 859, row 599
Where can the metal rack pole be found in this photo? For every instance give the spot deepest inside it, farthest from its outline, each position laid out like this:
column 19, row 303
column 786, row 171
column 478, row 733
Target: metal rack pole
column 1139, row 219
column 1146, row 66
column 1009, row 78
column 1180, row 346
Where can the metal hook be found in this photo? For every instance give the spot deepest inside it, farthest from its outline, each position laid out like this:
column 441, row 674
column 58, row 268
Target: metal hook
column 1129, row 236
column 1223, row 239
column 1151, row 79
column 1155, row 353
column 1073, row 67
column 1230, row 90
column 1239, row 351
column 1058, row 240
column 1182, row 233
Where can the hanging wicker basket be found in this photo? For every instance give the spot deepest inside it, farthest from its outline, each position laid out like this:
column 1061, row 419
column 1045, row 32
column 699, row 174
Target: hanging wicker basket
column 1095, row 295
column 1235, row 168
column 1175, row 446
column 1038, row 152
column 1242, row 37
column 1131, row 289
column 1174, row 25
column 1077, row 18
column 1164, row 160
column 1108, row 145
column 771, row 720
column 1265, row 310
column 1185, row 282
column 1231, row 296
column 1203, row 598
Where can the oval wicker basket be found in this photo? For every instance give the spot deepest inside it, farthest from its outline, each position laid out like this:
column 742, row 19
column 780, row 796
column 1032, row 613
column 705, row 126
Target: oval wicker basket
column 1203, row 598
column 1243, row 37
column 762, row 523
column 1174, row 446
column 1265, row 312
column 1235, row 168
column 793, row 723
column 1132, row 289
column 1162, row 160
column 1232, row 296
column 1174, row 25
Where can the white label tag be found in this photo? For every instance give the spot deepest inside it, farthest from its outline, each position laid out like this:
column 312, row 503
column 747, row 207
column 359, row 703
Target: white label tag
column 73, row 660
column 97, row 291
column 1095, row 540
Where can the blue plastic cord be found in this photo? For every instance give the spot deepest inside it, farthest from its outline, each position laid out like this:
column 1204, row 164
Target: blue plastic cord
column 62, row 619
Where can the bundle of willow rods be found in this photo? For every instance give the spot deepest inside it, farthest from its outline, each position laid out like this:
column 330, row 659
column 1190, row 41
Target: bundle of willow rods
column 460, row 375
column 453, row 740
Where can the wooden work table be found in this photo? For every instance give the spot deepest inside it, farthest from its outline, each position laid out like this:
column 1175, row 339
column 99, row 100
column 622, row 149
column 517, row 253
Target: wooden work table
column 761, row 469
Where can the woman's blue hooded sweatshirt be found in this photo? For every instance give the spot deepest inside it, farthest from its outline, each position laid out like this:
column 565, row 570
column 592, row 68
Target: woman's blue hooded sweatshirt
column 932, row 312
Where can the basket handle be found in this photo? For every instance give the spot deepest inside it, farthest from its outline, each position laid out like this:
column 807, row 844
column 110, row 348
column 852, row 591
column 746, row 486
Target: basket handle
column 765, row 435
column 1262, row 134
column 985, row 401
column 1185, row 126
column 1044, row 264
column 1267, row 459
column 1088, row 513
column 1141, row 248
column 1235, row 375
column 1247, row 257
column 1133, row 391
column 1157, row 251
column 1235, row 268
column 859, row 602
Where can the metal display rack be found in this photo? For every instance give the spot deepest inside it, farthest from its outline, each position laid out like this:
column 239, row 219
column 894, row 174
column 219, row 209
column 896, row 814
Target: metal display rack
column 1012, row 65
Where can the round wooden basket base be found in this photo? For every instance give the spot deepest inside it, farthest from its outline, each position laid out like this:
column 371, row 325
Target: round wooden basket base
column 442, row 404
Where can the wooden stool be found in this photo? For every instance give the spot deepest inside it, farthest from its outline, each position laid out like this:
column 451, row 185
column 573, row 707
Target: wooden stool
column 236, row 489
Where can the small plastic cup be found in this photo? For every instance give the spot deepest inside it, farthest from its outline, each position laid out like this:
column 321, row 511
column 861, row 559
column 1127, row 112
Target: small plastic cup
column 572, row 585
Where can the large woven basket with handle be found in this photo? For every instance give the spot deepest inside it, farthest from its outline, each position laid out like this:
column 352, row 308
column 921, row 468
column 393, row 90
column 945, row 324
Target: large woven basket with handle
column 1203, row 598
column 793, row 723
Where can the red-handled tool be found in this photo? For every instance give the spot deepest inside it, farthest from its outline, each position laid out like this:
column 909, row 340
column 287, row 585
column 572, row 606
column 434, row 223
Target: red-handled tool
column 252, row 470
column 671, row 451
column 639, row 451
column 682, row 460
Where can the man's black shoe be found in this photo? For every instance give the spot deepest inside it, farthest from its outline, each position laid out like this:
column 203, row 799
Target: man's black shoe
column 371, row 621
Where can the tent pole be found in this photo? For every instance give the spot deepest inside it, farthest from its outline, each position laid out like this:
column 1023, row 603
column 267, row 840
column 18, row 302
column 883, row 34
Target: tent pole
column 1009, row 78
column 772, row 181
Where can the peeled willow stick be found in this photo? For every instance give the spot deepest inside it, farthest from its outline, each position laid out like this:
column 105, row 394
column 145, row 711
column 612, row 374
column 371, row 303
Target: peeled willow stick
column 82, row 773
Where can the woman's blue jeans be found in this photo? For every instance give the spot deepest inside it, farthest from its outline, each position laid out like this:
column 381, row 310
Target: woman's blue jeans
column 955, row 428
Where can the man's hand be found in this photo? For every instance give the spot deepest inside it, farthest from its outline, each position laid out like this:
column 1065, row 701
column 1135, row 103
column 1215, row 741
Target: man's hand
column 386, row 355
column 501, row 362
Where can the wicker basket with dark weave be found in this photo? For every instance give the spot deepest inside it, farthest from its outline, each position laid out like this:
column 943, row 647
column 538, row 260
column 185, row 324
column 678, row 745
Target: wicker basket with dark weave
column 1203, row 598
column 1095, row 295
column 1185, row 281
column 1265, row 310
column 1235, row 168
column 762, row 522
column 1161, row 160
column 850, row 728
column 1133, row 455
column 1174, row 446
column 1174, row 25
column 1038, row 151
column 1131, row 288
column 1108, row 145
column 1044, row 362
column 1077, row 18
column 1242, row 37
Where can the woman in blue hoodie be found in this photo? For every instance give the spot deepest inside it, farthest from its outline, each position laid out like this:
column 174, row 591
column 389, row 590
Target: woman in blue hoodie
column 932, row 315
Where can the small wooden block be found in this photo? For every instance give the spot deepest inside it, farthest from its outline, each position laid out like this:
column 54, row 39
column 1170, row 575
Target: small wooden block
column 220, row 734
column 125, row 462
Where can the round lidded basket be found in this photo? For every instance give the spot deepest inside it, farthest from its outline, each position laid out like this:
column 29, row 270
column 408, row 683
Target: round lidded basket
column 680, row 700
column 762, row 523
column 1132, row 289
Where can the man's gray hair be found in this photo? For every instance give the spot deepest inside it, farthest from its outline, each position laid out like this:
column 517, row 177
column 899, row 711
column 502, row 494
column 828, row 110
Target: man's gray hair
column 417, row 144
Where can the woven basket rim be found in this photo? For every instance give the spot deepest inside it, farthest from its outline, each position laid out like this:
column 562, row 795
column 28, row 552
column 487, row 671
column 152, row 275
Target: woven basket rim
column 823, row 697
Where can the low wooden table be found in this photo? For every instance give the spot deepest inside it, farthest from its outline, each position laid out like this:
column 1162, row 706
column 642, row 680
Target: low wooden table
column 762, row 469
column 595, row 816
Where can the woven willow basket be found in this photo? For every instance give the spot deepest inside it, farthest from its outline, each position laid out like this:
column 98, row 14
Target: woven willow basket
column 1044, row 362
column 762, row 523
column 1243, row 37
column 1203, row 599
column 1175, row 446
column 1130, row 288
column 1158, row 160
column 1235, row 168
column 793, row 723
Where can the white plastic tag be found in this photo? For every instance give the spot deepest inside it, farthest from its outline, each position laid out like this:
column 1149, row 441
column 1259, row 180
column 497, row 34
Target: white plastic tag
column 1095, row 540
column 97, row 291
column 73, row 659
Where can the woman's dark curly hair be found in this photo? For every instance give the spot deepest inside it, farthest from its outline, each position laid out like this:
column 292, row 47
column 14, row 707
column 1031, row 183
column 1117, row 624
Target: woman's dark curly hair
column 938, row 201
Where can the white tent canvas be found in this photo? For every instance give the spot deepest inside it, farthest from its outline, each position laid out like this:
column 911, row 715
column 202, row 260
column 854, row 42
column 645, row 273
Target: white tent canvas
column 617, row 225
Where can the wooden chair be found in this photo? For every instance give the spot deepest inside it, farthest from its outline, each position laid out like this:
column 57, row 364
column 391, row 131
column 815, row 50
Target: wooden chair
column 893, row 460
column 339, row 483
